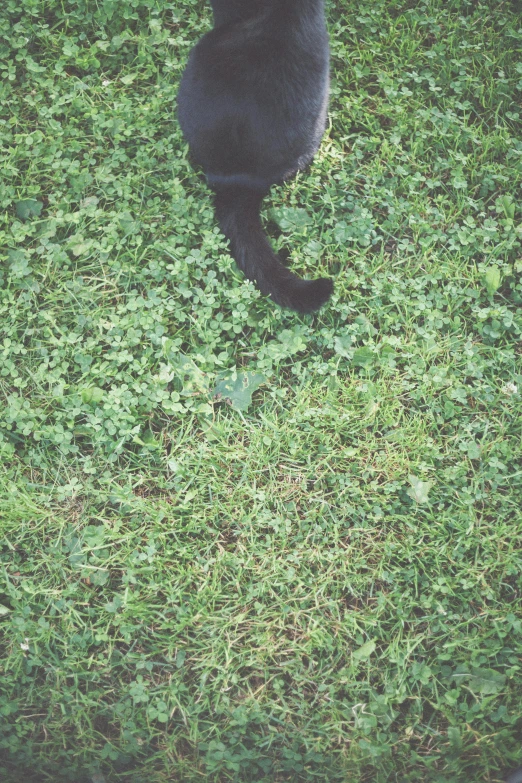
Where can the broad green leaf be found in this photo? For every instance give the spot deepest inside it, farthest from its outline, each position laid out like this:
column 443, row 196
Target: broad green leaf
column 237, row 390
column 194, row 380
column 363, row 357
column 294, row 340
column 19, row 263
column 93, row 395
column 342, row 232
column 81, row 246
column 342, row 345
column 89, row 203
column 129, row 78
column 4, row 610
column 455, row 738
column 128, row 224
column 365, row 651
column 473, row 450
column 492, row 279
column 421, row 672
column 509, row 207
column 100, row 577
column 27, row 208
column 291, row 218
column 486, row 681
column 419, row 489
column 147, row 439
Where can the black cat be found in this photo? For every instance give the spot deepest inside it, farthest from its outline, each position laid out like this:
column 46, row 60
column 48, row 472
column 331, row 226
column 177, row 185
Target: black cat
column 252, row 106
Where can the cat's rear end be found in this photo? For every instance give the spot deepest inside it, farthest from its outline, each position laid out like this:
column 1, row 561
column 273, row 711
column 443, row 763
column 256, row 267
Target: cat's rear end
column 252, row 105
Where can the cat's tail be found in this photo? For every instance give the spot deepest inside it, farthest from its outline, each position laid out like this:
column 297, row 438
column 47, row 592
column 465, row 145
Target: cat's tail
column 237, row 211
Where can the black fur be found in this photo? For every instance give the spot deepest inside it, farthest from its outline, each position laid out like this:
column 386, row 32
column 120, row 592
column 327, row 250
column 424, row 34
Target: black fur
column 252, row 106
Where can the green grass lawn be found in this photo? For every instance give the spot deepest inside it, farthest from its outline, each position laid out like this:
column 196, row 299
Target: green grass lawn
column 237, row 544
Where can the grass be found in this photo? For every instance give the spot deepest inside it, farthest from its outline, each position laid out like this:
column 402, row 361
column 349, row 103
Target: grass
column 240, row 545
